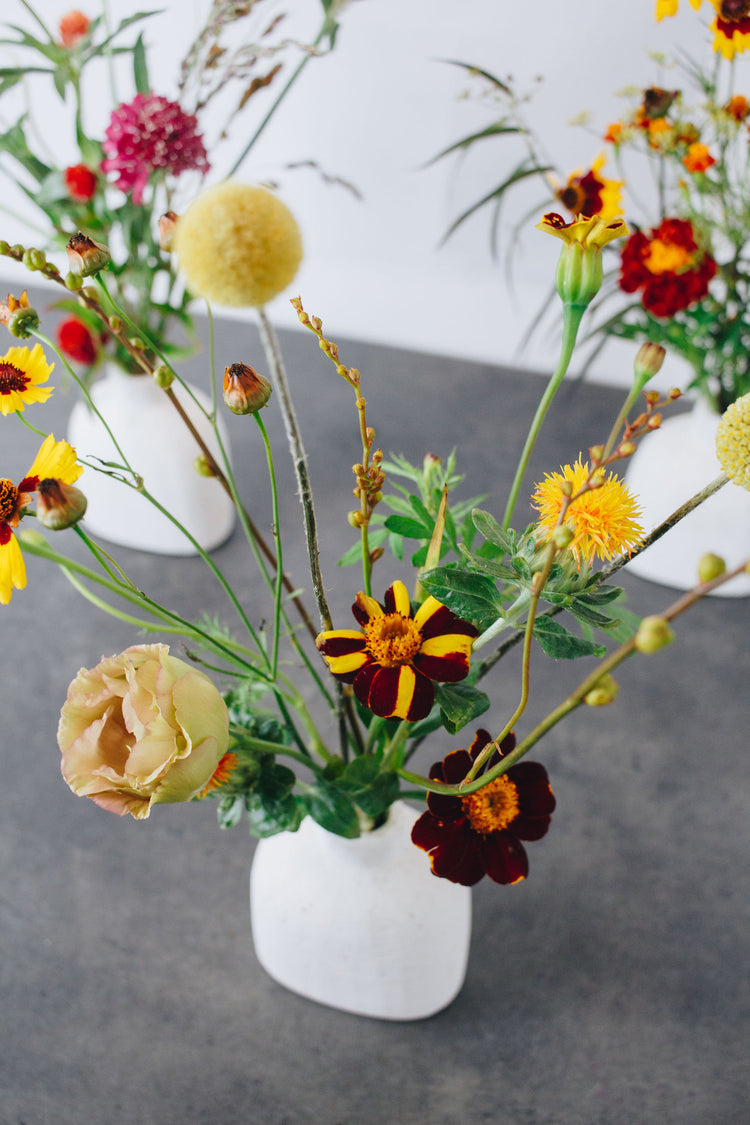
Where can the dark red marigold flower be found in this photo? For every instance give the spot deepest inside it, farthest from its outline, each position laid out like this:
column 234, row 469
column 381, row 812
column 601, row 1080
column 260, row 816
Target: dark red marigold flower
column 394, row 657
column 80, row 182
column 151, row 134
column 668, row 266
column 76, row 342
column 481, row 833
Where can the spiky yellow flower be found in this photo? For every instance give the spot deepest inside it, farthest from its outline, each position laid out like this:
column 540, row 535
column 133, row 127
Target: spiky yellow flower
column 733, row 441
column 237, row 245
column 604, row 520
column 21, row 372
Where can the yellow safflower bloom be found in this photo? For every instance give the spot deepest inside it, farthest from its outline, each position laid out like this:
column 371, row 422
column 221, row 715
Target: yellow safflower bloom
column 604, row 520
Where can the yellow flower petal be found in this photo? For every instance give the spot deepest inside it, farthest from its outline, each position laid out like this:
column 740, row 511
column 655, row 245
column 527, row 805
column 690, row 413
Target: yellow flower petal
column 21, row 372
column 12, row 570
column 56, row 459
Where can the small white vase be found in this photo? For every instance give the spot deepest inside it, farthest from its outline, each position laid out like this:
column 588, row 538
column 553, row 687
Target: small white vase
column 671, row 465
column 360, row 925
column 161, row 449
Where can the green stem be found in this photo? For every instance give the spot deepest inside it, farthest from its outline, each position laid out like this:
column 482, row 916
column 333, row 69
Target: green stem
column 279, row 585
column 572, row 315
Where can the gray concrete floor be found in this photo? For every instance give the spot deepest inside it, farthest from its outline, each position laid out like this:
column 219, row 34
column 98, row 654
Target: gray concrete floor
column 610, row 988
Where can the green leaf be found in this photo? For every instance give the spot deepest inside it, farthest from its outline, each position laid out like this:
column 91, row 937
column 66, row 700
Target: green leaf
column 360, row 773
column 556, row 641
column 521, row 172
column 490, row 529
column 332, row 810
column 491, row 131
column 268, row 818
column 275, row 782
column 484, row 73
column 459, row 704
column 471, row 596
column 589, row 616
column 379, row 796
column 140, row 67
column 404, row 525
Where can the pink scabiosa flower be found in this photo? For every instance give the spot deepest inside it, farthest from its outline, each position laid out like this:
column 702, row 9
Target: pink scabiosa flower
column 151, row 134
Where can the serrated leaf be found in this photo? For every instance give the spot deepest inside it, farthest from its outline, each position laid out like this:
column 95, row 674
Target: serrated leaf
column 490, row 529
column 269, row 818
column 332, row 810
column 556, row 641
column 590, row 616
column 459, row 704
column 471, row 596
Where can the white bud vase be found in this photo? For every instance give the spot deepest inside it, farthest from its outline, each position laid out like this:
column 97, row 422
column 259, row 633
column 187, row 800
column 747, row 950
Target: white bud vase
column 671, row 465
column 161, row 449
column 361, row 925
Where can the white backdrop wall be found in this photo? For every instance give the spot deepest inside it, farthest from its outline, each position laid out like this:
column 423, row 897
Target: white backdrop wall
column 374, row 112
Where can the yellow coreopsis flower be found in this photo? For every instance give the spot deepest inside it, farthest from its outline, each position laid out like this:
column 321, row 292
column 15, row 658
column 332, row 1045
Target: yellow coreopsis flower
column 56, row 460
column 604, row 520
column 669, row 7
column 22, row 370
column 731, row 27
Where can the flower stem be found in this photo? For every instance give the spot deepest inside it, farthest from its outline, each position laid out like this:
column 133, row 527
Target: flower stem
column 572, row 315
column 277, row 538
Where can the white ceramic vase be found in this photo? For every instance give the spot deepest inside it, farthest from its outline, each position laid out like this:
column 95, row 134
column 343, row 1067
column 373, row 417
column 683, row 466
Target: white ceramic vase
column 670, row 466
column 161, row 449
column 360, row 925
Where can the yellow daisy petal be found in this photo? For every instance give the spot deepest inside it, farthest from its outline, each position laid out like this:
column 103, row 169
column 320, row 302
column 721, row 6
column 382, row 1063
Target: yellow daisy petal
column 56, row 459
column 12, row 569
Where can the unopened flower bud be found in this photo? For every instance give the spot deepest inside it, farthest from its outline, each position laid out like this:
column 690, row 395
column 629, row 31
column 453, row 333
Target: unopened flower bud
column 710, row 567
column 596, row 452
column 115, row 323
column 563, row 536
column 59, row 505
column 376, row 554
column 597, row 478
column 654, row 632
column 73, row 282
column 603, row 692
column 245, row 391
column 86, row 257
column 163, row 376
column 627, row 448
column 137, row 343
column 34, row 259
column 654, row 422
column 18, row 317
column 167, row 224
column 355, row 519
column 648, row 361
column 203, row 466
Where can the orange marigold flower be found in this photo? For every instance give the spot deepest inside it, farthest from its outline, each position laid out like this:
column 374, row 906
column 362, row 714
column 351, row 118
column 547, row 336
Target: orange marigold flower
column 614, row 133
column 698, row 158
column 668, row 266
column 737, row 107
column 73, row 28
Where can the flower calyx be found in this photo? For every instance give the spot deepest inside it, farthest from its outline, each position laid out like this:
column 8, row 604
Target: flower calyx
column 579, row 271
column 18, row 316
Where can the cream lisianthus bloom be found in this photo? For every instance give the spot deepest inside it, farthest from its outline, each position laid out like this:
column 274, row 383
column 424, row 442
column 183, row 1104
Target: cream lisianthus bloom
column 140, row 729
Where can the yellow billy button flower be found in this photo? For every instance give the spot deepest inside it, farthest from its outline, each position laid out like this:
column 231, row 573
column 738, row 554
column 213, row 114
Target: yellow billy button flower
column 22, row 370
column 733, row 441
column 604, row 519
column 237, row 245
column 394, row 657
column 55, row 460
column 579, row 269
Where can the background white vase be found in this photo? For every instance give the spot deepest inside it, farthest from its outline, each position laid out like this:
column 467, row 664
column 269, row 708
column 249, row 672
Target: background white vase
column 159, row 446
column 671, row 465
column 361, row 925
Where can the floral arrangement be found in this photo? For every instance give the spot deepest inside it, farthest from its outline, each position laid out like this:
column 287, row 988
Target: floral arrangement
column 122, row 186
column 227, row 719
column 685, row 261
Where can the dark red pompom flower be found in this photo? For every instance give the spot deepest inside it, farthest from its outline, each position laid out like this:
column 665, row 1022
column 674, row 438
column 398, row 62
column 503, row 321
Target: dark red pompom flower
column 80, row 182
column 668, row 266
column 481, row 833
column 76, row 341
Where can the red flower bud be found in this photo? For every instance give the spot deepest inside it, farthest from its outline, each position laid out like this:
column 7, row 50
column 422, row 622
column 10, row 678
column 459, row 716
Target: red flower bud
column 76, row 342
column 73, row 27
column 80, row 182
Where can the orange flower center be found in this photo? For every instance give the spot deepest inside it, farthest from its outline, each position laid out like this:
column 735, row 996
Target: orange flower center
column 494, row 807
column 8, row 499
column 666, row 257
column 392, row 639
column 12, row 379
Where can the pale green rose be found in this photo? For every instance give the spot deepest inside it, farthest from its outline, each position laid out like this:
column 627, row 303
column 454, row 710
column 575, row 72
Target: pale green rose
column 141, row 729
